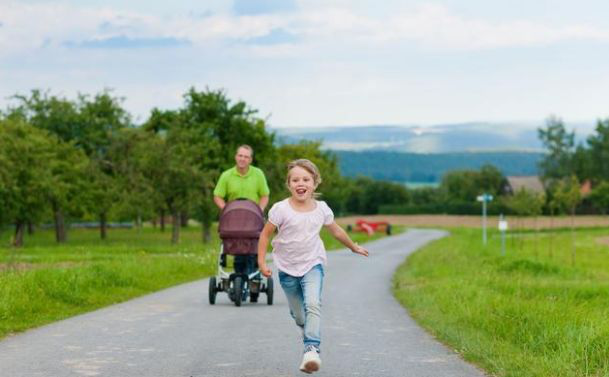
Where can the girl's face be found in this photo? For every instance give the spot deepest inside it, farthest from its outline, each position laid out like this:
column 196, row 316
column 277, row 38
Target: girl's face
column 301, row 184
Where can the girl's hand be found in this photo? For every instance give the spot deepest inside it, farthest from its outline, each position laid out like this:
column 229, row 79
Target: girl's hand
column 265, row 271
column 360, row 250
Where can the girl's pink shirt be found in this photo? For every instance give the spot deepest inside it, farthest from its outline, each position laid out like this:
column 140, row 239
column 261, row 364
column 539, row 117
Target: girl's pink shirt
column 297, row 246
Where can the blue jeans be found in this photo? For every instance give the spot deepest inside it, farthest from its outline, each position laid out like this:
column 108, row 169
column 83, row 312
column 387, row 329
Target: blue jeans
column 246, row 264
column 304, row 299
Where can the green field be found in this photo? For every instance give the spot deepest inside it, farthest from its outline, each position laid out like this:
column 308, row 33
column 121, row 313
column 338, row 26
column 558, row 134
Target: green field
column 537, row 311
column 44, row 281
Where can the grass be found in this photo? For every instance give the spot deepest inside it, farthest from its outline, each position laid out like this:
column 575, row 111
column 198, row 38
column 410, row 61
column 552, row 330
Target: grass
column 45, row 281
column 532, row 312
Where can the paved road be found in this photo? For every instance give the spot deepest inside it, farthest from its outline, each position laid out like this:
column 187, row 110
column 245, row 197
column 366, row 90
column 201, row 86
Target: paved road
column 176, row 333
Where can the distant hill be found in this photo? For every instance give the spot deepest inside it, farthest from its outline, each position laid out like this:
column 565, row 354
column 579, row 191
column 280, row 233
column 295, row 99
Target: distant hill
column 424, row 154
column 464, row 137
column 417, row 167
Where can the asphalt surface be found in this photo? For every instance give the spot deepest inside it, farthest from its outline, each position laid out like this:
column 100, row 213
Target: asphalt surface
column 175, row 332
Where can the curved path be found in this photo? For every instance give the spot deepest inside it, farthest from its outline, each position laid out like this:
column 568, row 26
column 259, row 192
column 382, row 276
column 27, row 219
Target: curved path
column 175, row 332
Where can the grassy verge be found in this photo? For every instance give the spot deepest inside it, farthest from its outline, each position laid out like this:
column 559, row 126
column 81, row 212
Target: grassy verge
column 44, row 282
column 532, row 312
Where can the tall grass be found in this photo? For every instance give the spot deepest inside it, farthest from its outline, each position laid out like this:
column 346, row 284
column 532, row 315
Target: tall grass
column 532, row 312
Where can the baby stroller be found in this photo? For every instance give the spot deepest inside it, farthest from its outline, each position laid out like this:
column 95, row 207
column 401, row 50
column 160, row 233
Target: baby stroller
column 241, row 222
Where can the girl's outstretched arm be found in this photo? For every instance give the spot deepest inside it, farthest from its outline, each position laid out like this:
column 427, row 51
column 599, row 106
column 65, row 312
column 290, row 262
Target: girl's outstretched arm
column 340, row 234
column 263, row 243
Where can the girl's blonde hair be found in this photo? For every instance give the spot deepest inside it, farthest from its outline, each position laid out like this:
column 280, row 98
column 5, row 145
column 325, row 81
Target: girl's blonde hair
column 306, row 165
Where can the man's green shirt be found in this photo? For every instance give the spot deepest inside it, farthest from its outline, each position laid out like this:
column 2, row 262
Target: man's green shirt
column 233, row 185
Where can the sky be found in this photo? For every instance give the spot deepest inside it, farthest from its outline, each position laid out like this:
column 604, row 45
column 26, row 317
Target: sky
column 320, row 62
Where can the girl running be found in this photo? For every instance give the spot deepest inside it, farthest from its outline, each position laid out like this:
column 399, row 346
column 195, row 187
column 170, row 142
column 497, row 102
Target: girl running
column 299, row 253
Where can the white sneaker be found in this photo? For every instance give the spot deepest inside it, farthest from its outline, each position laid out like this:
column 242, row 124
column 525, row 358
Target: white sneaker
column 310, row 360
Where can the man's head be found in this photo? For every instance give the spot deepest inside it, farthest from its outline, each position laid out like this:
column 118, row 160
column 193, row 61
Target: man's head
column 244, row 156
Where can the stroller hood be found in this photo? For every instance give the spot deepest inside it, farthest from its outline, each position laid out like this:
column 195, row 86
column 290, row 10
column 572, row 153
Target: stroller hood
column 240, row 225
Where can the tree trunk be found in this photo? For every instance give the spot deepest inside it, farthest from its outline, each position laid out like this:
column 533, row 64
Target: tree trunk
column 206, row 232
column 19, row 229
column 162, row 220
column 175, row 233
column 154, row 222
column 184, row 219
column 30, row 228
column 60, row 228
column 102, row 225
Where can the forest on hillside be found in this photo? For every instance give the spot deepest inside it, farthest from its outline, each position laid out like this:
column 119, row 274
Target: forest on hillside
column 418, row 167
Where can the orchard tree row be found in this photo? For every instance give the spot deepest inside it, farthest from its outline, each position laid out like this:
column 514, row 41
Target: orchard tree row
column 64, row 161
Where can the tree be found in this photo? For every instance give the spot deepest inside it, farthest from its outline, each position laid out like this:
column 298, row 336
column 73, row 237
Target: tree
column 365, row 195
column 26, row 154
column 354, row 198
column 59, row 117
column 137, row 199
column 558, row 163
column 490, row 180
column 466, row 185
column 460, row 185
column 170, row 161
column 67, row 186
column 215, row 117
column 101, row 118
column 102, row 193
column 599, row 151
column 583, row 166
column 600, row 196
column 56, row 115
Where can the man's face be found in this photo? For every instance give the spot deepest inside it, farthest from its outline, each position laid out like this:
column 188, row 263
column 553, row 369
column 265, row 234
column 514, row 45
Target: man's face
column 243, row 158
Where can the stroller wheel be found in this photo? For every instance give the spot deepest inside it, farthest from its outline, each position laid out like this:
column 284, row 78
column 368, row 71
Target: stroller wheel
column 212, row 290
column 238, row 289
column 269, row 291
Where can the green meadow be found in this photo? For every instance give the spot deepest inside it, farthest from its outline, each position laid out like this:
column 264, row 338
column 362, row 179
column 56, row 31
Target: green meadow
column 44, row 281
column 539, row 310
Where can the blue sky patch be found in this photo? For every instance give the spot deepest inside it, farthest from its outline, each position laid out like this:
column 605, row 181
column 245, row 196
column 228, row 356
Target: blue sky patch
column 254, row 7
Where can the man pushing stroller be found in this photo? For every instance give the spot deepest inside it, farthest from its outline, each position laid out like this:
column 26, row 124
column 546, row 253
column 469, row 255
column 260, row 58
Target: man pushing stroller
column 243, row 181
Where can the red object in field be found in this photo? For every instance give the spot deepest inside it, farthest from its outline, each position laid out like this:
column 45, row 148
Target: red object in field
column 372, row 226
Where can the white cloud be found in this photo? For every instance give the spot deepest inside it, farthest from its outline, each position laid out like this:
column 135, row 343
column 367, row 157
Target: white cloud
column 435, row 26
column 26, row 27
column 30, row 26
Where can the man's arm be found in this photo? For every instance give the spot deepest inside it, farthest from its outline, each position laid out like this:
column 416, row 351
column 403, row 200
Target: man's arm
column 264, row 200
column 220, row 191
column 219, row 202
column 263, row 191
